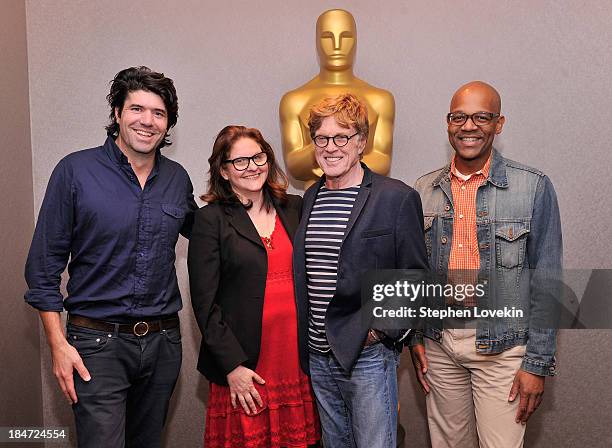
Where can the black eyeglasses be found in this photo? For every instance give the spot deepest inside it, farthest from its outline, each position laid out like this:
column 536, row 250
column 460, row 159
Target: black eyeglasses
column 242, row 163
column 478, row 118
column 339, row 140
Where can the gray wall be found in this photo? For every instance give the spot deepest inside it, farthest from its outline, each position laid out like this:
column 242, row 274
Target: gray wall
column 232, row 61
column 20, row 385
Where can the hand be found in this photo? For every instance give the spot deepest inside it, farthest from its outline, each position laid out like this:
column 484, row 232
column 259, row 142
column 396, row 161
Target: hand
column 374, row 337
column 419, row 361
column 240, row 381
column 65, row 360
column 530, row 387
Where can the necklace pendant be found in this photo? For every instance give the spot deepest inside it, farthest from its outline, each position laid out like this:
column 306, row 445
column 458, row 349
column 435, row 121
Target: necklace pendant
column 267, row 242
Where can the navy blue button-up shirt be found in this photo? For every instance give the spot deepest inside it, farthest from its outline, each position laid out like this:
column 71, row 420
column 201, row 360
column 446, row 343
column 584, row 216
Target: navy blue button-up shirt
column 120, row 238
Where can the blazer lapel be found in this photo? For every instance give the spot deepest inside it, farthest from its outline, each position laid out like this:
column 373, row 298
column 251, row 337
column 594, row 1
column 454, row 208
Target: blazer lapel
column 362, row 197
column 240, row 221
column 290, row 222
column 299, row 251
column 309, row 200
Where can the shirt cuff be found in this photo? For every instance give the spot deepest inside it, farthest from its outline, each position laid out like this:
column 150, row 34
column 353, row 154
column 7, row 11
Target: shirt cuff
column 538, row 367
column 45, row 301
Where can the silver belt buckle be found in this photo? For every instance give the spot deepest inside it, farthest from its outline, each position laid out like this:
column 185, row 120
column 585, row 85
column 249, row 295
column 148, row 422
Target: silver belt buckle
column 140, row 328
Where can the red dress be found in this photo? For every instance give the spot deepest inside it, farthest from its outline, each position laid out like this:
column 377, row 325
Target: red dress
column 289, row 417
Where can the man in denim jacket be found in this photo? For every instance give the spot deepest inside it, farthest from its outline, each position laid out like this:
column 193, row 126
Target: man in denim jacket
column 493, row 222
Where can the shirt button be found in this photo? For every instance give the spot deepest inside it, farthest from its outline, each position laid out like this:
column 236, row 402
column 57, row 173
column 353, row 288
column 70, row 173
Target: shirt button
column 461, row 216
column 460, row 246
column 463, row 187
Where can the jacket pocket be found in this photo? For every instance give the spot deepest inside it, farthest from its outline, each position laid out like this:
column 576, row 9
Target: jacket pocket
column 511, row 242
column 376, row 233
column 376, row 249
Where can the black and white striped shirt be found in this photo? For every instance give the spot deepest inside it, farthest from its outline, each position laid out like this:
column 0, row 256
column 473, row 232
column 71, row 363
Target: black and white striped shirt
column 324, row 235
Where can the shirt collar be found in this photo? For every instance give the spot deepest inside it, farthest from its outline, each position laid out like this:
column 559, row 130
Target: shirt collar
column 366, row 181
column 484, row 171
column 117, row 156
column 113, row 151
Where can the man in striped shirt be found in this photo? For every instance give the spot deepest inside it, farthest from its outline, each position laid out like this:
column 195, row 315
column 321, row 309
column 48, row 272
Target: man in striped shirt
column 496, row 222
column 353, row 221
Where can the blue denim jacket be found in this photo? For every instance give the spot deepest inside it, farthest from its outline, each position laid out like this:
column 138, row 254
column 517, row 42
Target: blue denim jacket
column 519, row 240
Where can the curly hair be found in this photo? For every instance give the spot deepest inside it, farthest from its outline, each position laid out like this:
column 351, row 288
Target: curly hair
column 141, row 78
column 220, row 190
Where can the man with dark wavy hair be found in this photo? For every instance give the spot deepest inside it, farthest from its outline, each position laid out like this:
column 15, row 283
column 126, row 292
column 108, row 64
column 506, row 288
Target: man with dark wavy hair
column 115, row 211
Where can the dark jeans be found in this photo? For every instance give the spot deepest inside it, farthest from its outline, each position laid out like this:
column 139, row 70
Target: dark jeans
column 132, row 378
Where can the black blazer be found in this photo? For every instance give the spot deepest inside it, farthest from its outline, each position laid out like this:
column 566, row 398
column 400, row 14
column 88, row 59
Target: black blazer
column 228, row 266
column 385, row 231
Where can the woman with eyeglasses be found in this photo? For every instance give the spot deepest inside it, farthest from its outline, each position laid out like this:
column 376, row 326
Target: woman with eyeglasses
column 241, row 280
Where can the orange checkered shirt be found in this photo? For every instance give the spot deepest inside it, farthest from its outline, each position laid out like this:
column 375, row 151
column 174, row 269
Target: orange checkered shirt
column 464, row 260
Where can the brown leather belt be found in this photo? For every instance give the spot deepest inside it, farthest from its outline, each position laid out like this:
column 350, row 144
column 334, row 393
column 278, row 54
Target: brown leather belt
column 137, row 328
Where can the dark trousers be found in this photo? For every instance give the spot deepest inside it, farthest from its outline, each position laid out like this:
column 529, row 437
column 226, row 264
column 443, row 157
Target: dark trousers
column 132, row 378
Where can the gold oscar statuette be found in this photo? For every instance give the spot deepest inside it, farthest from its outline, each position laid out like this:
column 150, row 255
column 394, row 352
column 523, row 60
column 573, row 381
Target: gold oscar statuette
column 336, row 47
